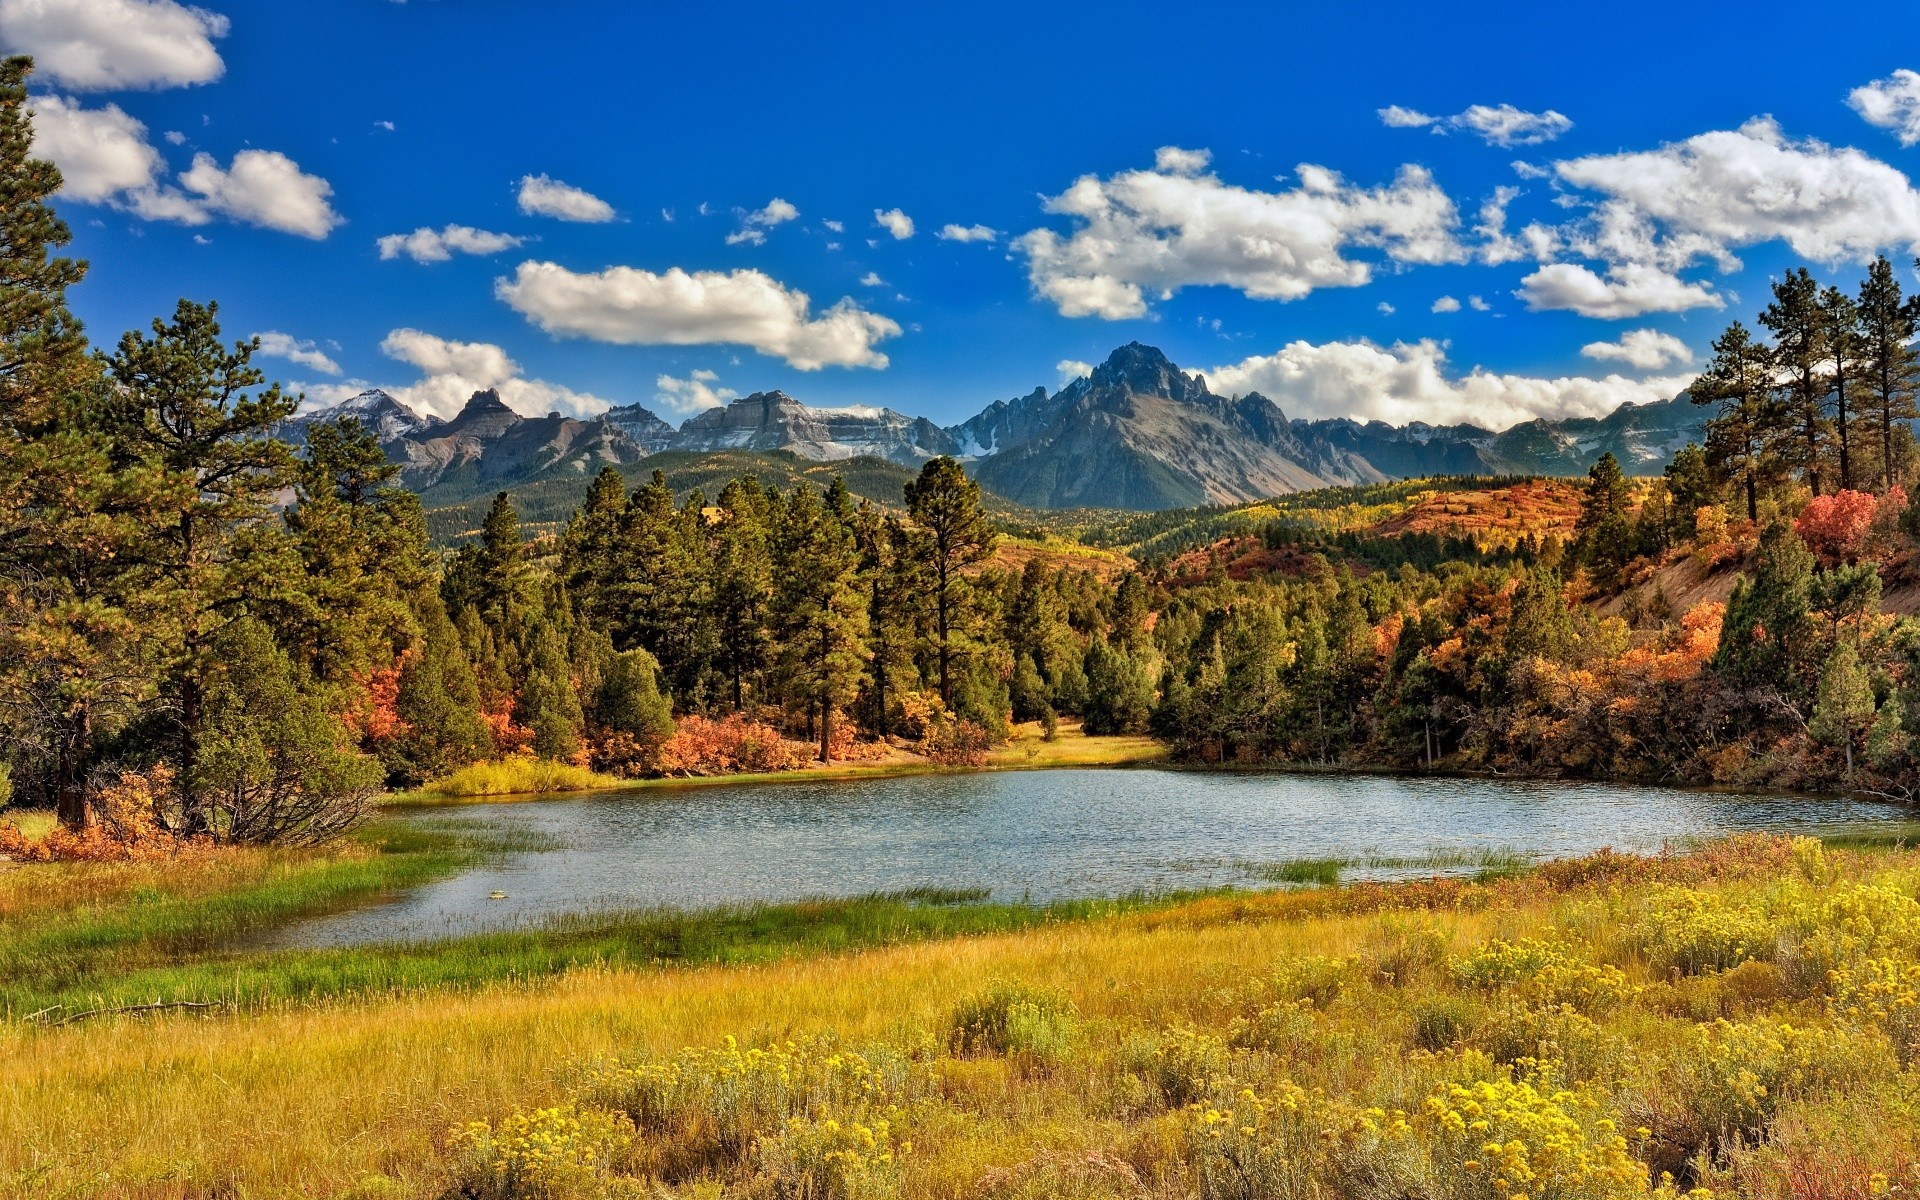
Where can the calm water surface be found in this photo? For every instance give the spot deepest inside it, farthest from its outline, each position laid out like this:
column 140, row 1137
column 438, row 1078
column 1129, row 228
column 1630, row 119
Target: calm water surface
column 1038, row 835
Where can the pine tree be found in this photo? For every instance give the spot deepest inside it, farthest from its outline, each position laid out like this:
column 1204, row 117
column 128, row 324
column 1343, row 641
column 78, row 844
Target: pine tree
column 1843, row 709
column 1890, row 368
column 1604, row 531
column 194, row 418
column 1799, row 357
column 945, row 504
column 896, row 605
column 742, row 582
column 363, row 549
column 590, row 547
column 438, row 703
column 71, row 651
column 1748, row 422
column 819, row 613
column 499, row 566
column 1768, row 638
column 1842, row 341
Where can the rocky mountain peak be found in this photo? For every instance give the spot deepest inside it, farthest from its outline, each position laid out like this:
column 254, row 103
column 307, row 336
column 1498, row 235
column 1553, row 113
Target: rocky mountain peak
column 1144, row 371
column 484, row 415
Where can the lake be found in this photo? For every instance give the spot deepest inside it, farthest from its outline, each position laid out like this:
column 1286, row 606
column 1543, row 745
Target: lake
column 1028, row 835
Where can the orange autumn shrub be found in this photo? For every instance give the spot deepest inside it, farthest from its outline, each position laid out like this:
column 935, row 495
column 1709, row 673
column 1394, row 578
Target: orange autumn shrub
column 124, row 827
column 1835, row 527
column 702, row 746
column 957, row 744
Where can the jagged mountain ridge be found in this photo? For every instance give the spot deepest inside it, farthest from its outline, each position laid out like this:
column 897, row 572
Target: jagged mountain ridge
column 1136, row 433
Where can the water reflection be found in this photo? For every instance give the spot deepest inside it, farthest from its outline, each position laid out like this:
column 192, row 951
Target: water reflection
column 1036, row 834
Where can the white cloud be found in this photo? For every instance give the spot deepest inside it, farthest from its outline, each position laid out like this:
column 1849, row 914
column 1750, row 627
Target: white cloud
column 1395, row 117
column 101, row 152
column 104, row 45
column 1644, row 349
column 1627, row 291
column 261, row 187
column 456, row 370
column 1071, row 369
column 1410, row 382
column 1496, row 124
column 103, row 156
column 754, row 225
column 836, row 226
column 628, row 306
column 895, row 222
column 1155, row 232
column 1176, row 161
column 295, row 350
column 872, row 279
column 541, row 196
column 696, row 393
column 1504, row 125
column 1445, row 304
column 1385, row 309
column 425, row 245
column 1715, row 192
column 1891, row 103
column 967, row 233
column 1478, row 305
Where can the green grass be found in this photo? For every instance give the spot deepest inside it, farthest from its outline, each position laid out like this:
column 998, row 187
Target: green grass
column 90, row 950
column 42, row 973
column 1327, row 872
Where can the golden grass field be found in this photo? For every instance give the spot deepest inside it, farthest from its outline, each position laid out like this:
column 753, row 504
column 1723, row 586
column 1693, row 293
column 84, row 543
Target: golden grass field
column 1713, row 1015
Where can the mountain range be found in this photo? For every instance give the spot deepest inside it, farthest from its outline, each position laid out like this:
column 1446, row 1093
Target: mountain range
column 1136, row 433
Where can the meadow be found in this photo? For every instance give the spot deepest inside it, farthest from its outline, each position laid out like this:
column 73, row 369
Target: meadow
column 1742, row 1019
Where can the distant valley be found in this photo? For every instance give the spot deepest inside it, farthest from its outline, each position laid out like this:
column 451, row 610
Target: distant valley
column 1138, row 433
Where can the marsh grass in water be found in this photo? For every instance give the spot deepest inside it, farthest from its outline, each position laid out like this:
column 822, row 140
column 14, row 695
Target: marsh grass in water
column 1328, row 872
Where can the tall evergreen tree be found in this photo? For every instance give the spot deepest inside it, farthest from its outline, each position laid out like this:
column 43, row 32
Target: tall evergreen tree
column 1890, row 369
column 1747, row 420
column 742, row 582
column 70, row 648
column 1842, row 342
column 819, row 612
column 945, row 504
column 896, row 581
column 196, row 414
column 1799, row 358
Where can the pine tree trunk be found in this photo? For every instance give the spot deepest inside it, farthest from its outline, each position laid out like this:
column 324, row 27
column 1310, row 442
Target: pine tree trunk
column 69, row 785
column 1846, row 457
column 826, row 730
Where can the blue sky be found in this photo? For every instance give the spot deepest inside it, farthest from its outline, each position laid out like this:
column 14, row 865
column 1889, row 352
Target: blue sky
column 1137, row 168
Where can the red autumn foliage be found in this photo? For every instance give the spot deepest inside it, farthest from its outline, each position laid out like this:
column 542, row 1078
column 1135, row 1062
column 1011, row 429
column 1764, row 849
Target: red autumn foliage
column 124, row 828
column 701, row 746
column 377, row 716
column 1835, row 527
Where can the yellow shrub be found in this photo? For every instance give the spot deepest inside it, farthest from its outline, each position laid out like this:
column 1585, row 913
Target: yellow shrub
column 832, row 1160
column 1506, row 1139
column 1544, row 973
column 1885, row 991
column 1694, row 931
column 704, row 1108
column 1741, row 1072
column 562, row 1153
column 1256, row 1146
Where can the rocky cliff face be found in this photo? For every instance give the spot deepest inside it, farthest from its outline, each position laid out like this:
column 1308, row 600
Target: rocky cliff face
column 776, row 421
column 486, row 445
column 1140, row 433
